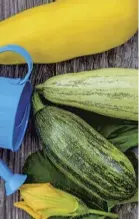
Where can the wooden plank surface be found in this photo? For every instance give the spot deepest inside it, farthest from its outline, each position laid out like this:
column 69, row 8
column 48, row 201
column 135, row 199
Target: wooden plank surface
column 124, row 56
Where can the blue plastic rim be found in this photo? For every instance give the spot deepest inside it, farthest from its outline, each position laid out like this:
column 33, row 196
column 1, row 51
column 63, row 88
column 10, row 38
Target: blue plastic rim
column 21, row 51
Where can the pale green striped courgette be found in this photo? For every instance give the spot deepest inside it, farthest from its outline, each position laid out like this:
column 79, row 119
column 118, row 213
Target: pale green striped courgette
column 111, row 92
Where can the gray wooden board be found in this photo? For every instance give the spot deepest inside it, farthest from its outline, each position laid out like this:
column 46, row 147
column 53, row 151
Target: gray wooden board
column 123, row 56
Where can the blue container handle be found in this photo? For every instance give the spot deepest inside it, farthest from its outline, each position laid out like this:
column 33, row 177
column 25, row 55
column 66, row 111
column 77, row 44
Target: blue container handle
column 20, row 50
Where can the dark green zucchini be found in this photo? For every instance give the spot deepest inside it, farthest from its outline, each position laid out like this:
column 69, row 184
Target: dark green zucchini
column 82, row 154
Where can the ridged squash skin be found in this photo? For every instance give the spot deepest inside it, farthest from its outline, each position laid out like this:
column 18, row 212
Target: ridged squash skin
column 111, row 92
column 69, row 28
column 85, row 156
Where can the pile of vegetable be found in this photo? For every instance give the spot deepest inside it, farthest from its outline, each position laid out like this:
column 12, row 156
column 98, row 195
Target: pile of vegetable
column 85, row 155
column 84, row 168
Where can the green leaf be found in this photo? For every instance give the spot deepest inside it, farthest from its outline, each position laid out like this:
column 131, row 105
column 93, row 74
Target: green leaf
column 40, row 170
column 123, row 136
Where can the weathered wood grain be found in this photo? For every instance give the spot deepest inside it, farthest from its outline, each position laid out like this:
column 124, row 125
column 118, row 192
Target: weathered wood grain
column 124, row 56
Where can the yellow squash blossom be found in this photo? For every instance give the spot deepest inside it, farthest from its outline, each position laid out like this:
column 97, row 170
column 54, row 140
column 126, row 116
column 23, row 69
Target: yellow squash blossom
column 42, row 201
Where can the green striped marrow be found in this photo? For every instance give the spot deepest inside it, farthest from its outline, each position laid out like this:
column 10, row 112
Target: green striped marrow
column 110, row 92
column 83, row 155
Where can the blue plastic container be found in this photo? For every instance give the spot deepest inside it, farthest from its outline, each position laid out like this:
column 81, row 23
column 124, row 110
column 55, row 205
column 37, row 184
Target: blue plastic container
column 15, row 95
